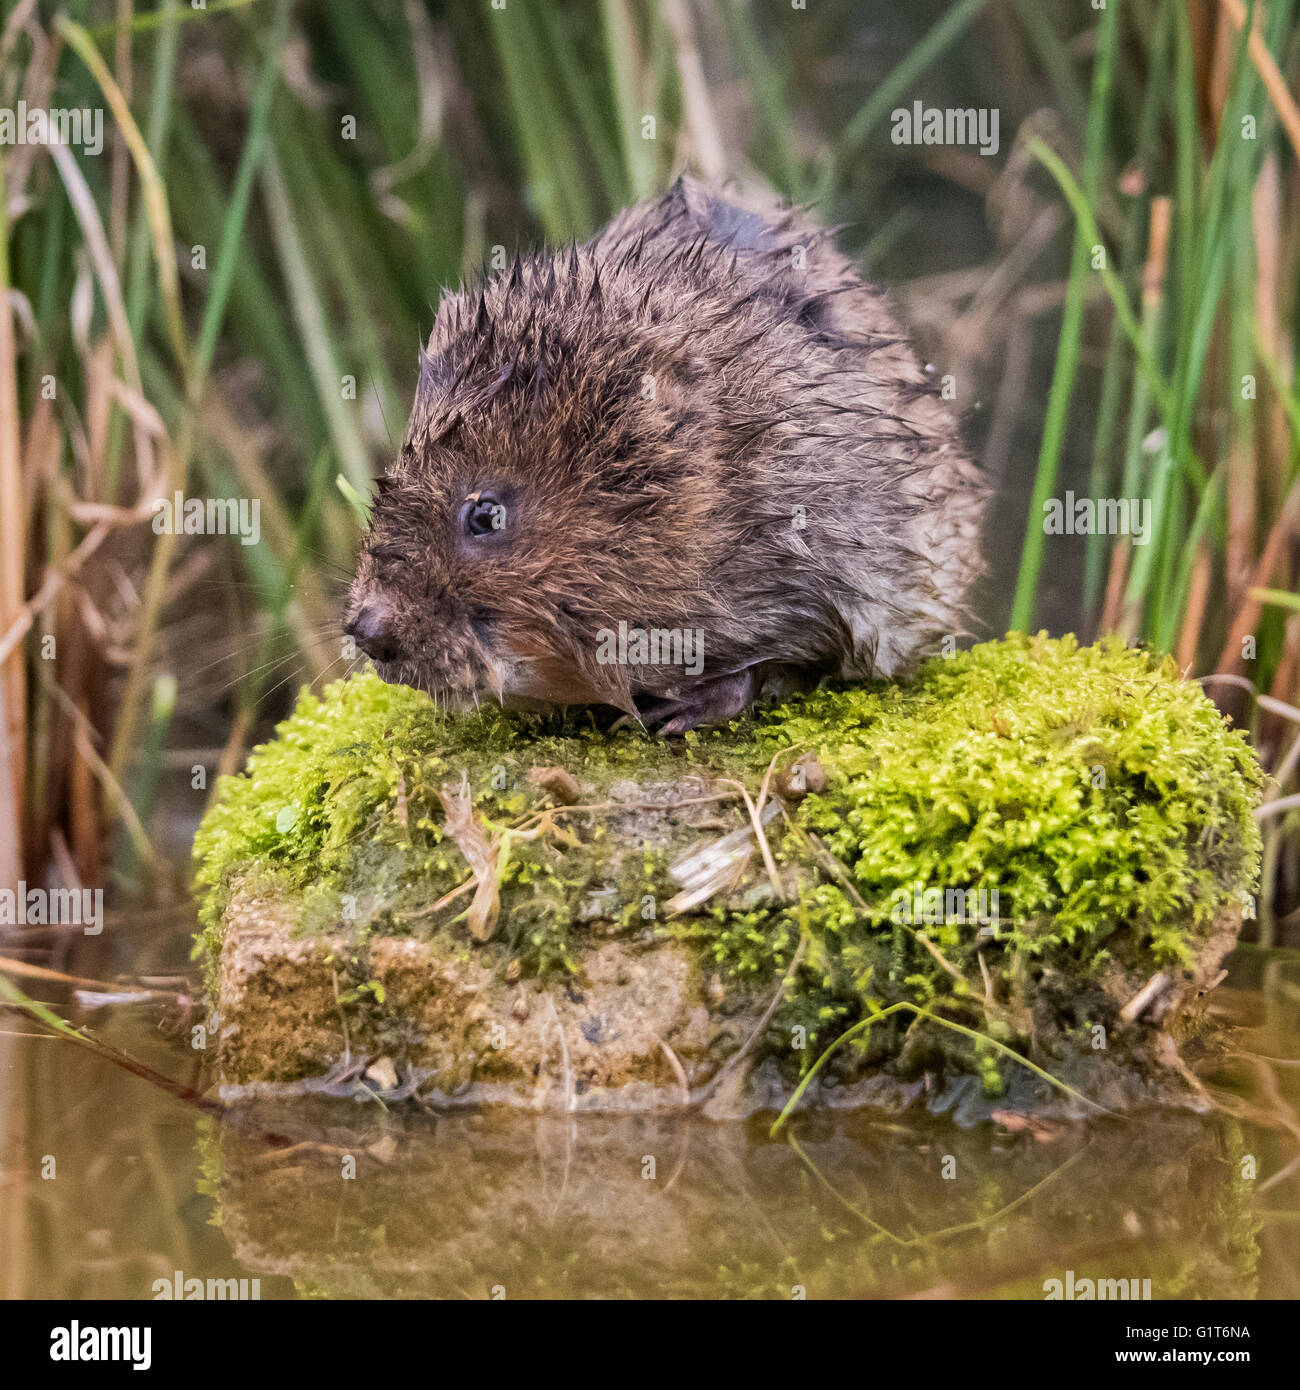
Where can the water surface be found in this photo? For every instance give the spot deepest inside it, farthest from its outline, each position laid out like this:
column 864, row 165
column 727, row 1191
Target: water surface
column 345, row 1198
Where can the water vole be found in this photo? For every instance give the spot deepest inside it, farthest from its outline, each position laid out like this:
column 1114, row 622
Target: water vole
column 685, row 462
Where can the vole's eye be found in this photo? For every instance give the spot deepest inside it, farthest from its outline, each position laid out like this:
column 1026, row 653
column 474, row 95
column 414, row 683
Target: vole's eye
column 481, row 514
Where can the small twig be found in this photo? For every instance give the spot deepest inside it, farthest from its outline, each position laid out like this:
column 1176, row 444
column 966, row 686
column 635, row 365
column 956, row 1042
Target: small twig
column 564, row 1055
column 62, row 1028
column 764, row 848
column 1143, row 997
column 1280, row 1176
column 988, row 982
column 338, row 1004
column 39, row 972
column 678, row 1070
column 444, row 901
column 771, row 768
column 939, row 956
column 1276, row 706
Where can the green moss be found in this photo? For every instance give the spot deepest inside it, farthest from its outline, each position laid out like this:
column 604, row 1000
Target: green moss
column 1089, row 786
column 1102, row 799
column 341, row 811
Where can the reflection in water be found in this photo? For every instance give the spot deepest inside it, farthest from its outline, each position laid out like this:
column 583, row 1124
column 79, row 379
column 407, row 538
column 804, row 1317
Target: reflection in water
column 347, row 1199
column 625, row 1206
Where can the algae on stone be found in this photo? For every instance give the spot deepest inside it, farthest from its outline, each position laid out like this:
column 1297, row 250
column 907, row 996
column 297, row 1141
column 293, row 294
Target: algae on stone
column 1101, row 798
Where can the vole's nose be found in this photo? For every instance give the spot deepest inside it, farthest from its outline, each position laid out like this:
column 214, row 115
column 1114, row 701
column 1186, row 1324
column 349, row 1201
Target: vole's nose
column 373, row 630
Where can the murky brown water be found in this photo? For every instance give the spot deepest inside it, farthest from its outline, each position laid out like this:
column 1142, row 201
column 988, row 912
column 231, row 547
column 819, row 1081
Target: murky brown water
column 107, row 1185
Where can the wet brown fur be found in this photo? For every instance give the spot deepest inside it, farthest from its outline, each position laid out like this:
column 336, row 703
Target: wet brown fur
column 692, row 424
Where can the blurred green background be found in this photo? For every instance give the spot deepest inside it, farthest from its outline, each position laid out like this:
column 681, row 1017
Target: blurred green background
column 230, row 298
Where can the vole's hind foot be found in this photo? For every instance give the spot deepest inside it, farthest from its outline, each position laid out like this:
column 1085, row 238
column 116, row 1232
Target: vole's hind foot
column 711, row 702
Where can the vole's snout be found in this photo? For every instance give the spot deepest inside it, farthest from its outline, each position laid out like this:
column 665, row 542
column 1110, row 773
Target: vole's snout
column 374, row 630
